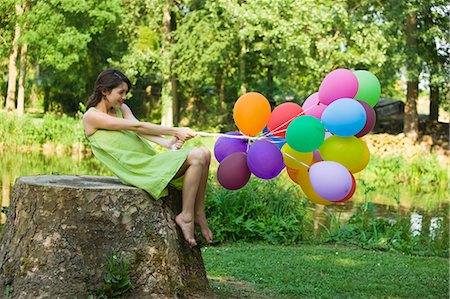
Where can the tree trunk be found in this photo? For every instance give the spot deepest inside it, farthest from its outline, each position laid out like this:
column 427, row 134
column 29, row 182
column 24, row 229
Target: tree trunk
column 12, row 69
column 46, row 98
column 22, row 76
column 169, row 84
column 222, row 99
column 242, row 67
column 5, row 194
column 175, row 100
column 270, row 86
column 434, row 102
column 60, row 230
column 411, row 121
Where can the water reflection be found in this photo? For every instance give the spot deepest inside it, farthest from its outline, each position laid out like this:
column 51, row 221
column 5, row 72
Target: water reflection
column 14, row 165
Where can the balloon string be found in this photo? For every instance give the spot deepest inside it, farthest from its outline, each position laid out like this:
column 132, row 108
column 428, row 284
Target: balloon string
column 274, row 131
column 293, row 158
column 206, row 134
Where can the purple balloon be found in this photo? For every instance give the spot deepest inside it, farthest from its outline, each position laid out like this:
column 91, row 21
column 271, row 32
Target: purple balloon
column 226, row 146
column 265, row 159
column 233, row 172
column 331, row 180
column 371, row 119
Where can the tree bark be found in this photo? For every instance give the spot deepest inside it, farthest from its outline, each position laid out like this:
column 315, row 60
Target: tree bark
column 411, row 121
column 434, row 102
column 270, row 87
column 169, row 95
column 12, row 69
column 242, row 67
column 61, row 228
column 22, row 76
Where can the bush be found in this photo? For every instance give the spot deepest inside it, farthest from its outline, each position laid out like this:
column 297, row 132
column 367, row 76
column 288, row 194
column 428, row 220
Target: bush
column 261, row 211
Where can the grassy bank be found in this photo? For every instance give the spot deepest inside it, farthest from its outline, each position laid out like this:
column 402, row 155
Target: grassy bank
column 324, row 271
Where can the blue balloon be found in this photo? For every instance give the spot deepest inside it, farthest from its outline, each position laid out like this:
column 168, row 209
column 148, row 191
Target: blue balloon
column 344, row 117
column 278, row 141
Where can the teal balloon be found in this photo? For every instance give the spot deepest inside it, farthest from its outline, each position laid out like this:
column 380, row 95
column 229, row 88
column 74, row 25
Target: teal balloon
column 369, row 89
column 305, row 134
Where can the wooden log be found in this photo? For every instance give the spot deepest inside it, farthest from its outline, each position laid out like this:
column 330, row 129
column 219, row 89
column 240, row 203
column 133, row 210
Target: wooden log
column 60, row 229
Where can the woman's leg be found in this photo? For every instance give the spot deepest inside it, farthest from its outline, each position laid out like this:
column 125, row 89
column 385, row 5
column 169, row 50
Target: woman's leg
column 200, row 217
column 192, row 170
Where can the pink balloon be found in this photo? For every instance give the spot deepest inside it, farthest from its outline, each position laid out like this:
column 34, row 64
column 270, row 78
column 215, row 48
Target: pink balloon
column 313, row 107
column 371, row 119
column 338, row 84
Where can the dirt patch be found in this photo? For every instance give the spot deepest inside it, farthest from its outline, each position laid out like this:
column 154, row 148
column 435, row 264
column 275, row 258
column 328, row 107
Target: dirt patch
column 226, row 287
column 433, row 132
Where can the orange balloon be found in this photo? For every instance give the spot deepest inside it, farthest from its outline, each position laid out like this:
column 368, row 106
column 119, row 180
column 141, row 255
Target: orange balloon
column 251, row 113
column 292, row 173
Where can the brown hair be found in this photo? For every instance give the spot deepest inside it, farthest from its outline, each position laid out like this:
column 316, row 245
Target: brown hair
column 106, row 81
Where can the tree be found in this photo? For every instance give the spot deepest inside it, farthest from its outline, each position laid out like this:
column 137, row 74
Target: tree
column 436, row 50
column 12, row 69
column 72, row 42
column 169, row 99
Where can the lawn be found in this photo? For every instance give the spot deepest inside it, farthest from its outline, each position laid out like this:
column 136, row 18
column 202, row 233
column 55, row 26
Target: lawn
column 322, row 271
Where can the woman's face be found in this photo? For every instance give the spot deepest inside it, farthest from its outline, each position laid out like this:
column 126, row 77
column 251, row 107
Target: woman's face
column 117, row 96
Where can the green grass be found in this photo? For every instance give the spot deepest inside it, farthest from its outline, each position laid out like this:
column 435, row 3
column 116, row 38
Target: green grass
column 322, row 271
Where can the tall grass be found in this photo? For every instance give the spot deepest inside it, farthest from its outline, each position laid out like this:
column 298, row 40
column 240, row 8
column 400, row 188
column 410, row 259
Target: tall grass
column 369, row 231
column 17, row 133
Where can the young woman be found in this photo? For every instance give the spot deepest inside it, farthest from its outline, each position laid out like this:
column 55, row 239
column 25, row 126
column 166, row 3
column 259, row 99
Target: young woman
column 119, row 140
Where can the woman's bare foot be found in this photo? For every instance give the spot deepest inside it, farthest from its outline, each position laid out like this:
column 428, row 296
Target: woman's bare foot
column 206, row 232
column 187, row 227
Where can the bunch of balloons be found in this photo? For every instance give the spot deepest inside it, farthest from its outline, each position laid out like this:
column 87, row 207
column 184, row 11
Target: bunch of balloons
column 318, row 143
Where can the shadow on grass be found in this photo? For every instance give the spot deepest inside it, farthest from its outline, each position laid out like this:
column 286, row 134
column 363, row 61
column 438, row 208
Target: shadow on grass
column 226, row 287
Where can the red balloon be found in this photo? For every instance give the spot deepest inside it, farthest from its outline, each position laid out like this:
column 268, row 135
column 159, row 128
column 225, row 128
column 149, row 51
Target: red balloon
column 371, row 119
column 352, row 190
column 233, row 172
column 281, row 117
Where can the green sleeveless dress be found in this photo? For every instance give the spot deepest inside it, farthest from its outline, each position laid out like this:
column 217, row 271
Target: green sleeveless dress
column 135, row 162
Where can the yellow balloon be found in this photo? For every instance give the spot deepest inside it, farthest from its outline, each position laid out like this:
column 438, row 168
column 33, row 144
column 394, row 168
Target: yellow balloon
column 305, row 184
column 251, row 113
column 351, row 152
column 293, row 159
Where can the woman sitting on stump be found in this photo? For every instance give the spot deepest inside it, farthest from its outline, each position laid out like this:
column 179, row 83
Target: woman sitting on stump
column 119, row 140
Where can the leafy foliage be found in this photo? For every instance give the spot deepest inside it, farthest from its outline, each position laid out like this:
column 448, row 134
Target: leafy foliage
column 117, row 277
column 258, row 212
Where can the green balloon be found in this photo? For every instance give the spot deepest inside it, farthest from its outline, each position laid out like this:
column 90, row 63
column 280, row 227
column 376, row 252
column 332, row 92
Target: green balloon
column 305, row 134
column 369, row 89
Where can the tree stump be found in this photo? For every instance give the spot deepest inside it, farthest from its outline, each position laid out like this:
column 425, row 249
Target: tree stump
column 60, row 230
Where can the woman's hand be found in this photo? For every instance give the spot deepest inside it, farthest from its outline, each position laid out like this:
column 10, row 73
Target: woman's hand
column 174, row 143
column 184, row 134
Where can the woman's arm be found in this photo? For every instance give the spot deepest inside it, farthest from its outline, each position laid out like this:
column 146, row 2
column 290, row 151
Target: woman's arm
column 181, row 134
column 95, row 120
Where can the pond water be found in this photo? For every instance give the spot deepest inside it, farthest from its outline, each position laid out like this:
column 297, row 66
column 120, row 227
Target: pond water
column 424, row 209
